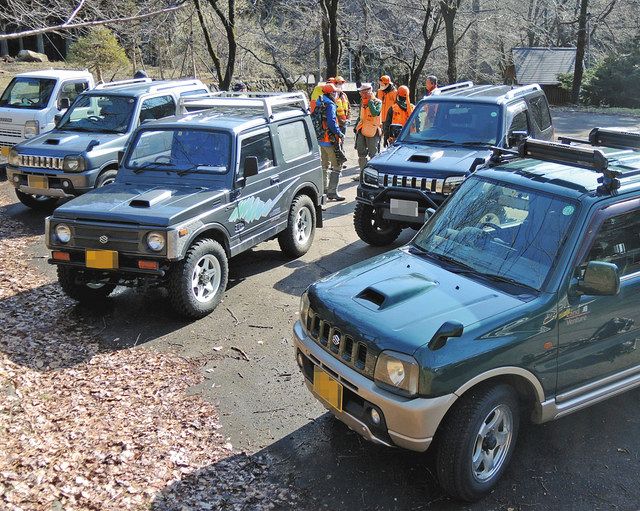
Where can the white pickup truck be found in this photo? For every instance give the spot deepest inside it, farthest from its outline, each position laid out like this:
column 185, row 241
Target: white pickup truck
column 31, row 101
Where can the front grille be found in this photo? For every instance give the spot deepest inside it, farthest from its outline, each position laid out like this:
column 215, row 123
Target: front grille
column 426, row 184
column 7, row 132
column 41, row 162
column 340, row 344
column 122, row 240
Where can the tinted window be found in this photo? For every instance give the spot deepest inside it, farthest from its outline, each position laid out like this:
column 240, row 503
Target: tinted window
column 157, row 108
column 294, row 140
column 31, row 93
column 519, row 122
column 618, row 242
column 259, row 146
column 540, row 112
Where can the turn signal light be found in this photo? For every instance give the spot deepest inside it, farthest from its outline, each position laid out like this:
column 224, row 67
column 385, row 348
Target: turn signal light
column 61, row 256
column 148, row 265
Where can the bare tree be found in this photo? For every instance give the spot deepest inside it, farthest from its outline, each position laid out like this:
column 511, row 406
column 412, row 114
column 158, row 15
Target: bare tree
column 329, row 27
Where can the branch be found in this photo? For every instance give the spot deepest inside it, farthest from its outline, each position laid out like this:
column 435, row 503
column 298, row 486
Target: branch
column 67, row 26
column 75, row 12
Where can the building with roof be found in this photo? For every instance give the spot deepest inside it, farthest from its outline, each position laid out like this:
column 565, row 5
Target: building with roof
column 543, row 66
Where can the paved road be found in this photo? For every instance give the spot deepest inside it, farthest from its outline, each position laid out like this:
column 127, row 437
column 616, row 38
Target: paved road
column 589, row 460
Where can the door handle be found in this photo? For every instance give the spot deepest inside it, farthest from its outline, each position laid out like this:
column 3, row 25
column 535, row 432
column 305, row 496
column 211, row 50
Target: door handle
column 274, row 180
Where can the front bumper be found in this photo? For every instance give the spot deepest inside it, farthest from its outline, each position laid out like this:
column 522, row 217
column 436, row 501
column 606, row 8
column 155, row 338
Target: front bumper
column 59, row 184
column 380, row 199
column 409, row 423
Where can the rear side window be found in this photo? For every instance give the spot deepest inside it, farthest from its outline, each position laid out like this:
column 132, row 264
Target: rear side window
column 157, row 108
column 259, row 146
column 294, row 140
column 196, row 92
column 71, row 90
column 540, row 112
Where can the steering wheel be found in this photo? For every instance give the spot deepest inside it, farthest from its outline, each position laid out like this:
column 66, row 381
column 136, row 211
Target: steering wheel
column 94, row 118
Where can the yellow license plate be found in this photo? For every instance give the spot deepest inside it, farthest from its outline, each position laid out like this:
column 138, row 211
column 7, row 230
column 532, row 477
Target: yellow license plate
column 102, row 259
column 38, row 182
column 4, row 151
column 327, row 388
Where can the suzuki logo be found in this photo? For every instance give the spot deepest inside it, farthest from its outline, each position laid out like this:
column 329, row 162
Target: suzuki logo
column 103, row 239
column 336, row 340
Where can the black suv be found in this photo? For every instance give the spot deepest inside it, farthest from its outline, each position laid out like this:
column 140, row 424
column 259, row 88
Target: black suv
column 191, row 192
column 449, row 134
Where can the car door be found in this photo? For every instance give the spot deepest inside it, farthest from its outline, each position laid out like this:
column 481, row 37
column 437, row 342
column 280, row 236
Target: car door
column 157, row 107
column 599, row 336
column 516, row 119
column 293, row 147
column 256, row 199
column 540, row 117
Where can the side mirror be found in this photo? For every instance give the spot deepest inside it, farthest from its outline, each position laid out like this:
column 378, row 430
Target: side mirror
column 448, row 329
column 250, row 166
column 56, row 119
column 600, row 279
column 515, row 138
column 429, row 212
column 120, row 157
column 64, row 103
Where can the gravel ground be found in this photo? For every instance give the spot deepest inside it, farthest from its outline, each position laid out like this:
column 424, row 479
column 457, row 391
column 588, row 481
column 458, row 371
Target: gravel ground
column 86, row 427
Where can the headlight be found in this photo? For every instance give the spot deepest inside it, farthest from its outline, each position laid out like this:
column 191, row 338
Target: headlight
column 304, row 309
column 74, row 164
column 14, row 158
column 397, row 372
column 370, row 176
column 31, row 129
column 451, row 183
column 63, row 233
column 155, row 241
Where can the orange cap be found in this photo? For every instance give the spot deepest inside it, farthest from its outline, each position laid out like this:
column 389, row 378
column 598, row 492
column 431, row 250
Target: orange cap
column 331, row 79
column 339, row 79
column 385, row 79
column 328, row 88
column 403, row 91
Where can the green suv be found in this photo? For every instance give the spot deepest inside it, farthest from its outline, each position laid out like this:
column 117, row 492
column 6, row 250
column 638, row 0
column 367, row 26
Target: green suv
column 193, row 191
column 519, row 298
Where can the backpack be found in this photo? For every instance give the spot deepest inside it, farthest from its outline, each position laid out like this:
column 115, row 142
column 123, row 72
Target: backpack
column 318, row 115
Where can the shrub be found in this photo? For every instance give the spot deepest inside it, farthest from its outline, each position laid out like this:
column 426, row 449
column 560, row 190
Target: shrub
column 99, row 51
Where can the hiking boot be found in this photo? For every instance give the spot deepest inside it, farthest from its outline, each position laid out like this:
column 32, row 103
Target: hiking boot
column 335, row 197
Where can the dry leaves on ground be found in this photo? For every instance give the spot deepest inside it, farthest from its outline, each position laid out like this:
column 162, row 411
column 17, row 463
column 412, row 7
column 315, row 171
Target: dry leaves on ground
column 85, row 428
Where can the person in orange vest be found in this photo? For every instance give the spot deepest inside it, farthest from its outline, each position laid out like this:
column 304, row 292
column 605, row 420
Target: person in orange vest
column 397, row 115
column 368, row 126
column 342, row 102
column 387, row 94
column 329, row 138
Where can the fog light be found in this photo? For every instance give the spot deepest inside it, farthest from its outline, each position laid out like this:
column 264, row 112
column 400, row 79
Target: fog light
column 300, row 360
column 16, row 179
column 65, row 184
column 375, row 416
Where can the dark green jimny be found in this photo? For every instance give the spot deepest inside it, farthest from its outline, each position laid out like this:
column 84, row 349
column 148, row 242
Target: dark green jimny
column 520, row 297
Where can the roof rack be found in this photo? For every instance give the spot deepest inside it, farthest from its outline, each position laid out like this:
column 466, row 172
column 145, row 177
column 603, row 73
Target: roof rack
column 264, row 101
column 607, row 137
column 120, row 83
column 453, row 86
column 521, row 91
column 174, row 83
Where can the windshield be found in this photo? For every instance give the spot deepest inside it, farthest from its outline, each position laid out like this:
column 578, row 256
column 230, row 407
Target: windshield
column 181, row 150
column 499, row 232
column 454, row 123
column 102, row 114
column 31, row 93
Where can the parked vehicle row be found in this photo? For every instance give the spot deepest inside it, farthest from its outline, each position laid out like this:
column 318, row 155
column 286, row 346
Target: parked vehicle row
column 517, row 299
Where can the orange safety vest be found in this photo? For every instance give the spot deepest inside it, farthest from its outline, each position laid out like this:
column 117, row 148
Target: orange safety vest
column 400, row 116
column 343, row 110
column 369, row 125
column 388, row 98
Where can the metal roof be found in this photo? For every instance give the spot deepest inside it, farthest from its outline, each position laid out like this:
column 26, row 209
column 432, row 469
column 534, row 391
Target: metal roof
column 138, row 88
column 542, row 65
column 56, row 73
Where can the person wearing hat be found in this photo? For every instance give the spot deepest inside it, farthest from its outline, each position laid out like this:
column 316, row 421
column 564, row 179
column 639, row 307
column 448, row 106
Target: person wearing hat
column 387, row 94
column 368, row 126
column 397, row 115
column 329, row 139
column 343, row 107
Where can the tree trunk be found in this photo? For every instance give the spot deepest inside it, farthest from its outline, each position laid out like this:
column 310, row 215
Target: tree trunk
column 578, row 70
column 329, row 27
column 228, row 22
column 475, row 42
column 449, row 10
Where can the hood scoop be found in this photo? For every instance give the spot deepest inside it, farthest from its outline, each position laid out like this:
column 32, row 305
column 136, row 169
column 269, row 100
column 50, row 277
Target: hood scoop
column 420, row 158
column 393, row 291
column 52, row 141
column 148, row 199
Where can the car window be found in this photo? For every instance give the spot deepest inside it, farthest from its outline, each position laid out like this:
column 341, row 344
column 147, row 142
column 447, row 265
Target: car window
column 293, row 140
column 196, row 92
column 157, row 108
column 29, row 93
column 540, row 112
column 71, row 90
column 259, row 146
column 618, row 242
column 519, row 122
column 100, row 114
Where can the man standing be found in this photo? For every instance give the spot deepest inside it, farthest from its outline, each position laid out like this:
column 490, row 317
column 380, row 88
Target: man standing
column 343, row 108
column 368, row 126
column 387, row 94
column 329, row 139
column 397, row 115
column 432, row 84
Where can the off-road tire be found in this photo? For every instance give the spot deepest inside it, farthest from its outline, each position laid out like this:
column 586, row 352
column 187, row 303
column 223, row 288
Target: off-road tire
column 458, row 436
column 181, row 292
column 295, row 241
column 45, row 204
column 106, row 178
column 76, row 287
column 372, row 230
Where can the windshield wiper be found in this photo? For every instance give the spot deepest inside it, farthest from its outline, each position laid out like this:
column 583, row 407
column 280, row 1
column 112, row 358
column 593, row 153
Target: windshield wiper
column 156, row 165
column 507, row 280
column 476, row 142
column 458, row 266
column 436, row 141
column 197, row 169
